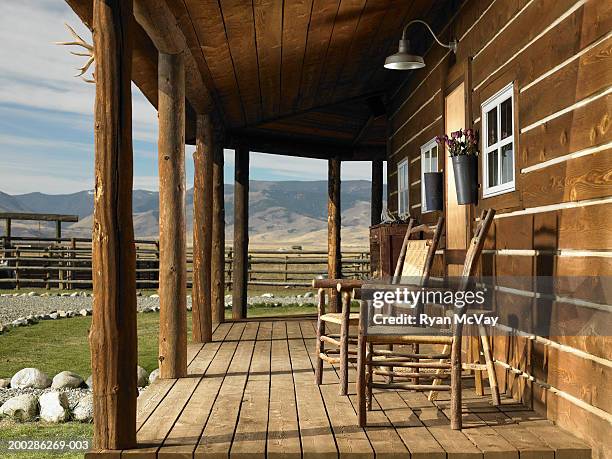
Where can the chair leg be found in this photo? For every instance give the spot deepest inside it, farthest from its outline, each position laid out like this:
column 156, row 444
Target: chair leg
column 369, row 374
column 320, row 349
column 361, row 380
column 344, row 342
column 390, row 377
column 475, row 357
column 434, row 393
column 486, row 350
column 455, row 408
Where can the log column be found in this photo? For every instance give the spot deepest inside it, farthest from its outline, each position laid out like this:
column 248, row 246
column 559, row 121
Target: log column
column 377, row 191
column 172, row 263
column 202, row 231
column 333, row 230
column 112, row 338
column 218, row 235
column 241, row 234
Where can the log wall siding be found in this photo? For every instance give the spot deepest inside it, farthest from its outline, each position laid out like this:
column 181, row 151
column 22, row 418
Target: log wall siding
column 558, row 53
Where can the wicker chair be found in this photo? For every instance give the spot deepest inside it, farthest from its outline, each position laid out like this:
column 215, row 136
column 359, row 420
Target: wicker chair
column 447, row 363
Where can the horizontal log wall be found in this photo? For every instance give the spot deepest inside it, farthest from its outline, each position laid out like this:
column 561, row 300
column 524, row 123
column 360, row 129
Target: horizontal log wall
column 558, row 53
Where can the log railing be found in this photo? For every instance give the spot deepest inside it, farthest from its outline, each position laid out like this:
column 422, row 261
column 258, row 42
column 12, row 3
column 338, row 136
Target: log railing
column 27, row 262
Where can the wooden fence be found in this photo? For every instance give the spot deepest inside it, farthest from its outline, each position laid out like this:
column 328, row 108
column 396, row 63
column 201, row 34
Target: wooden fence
column 66, row 264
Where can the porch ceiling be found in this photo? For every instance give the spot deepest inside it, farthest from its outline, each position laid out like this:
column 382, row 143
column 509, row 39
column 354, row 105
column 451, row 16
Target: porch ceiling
column 304, row 70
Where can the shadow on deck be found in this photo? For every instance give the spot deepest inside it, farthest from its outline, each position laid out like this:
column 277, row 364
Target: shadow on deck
column 251, row 393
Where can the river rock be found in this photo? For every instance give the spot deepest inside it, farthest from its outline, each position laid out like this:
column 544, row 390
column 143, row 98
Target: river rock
column 154, row 375
column 89, row 382
column 54, row 407
column 5, row 383
column 83, row 411
column 30, row 377
column 142, row 376
column 21, row 408
column 67, row 379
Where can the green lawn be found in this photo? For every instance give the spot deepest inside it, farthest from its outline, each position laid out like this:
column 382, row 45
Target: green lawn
column 10, row 430
column 58, row 345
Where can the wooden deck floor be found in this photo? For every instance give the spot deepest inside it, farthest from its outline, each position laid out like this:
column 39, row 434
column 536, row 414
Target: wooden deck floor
column 251, row 393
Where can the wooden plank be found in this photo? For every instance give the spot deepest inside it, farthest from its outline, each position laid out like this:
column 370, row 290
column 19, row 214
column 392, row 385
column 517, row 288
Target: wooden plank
column 578, row 80
column 268, row 33
column 316, row 436
column 240, row 29
column 265, row 331
column 38, row 217
column 566, row 446
column 454, row 442
column 365, row 34
column 235, row 332
column 529, row 445
column 208, row 23
column 581, row 128
column 322, row 20
column 186, row 432
column 283, row 429
column 343, row 33
column 154, row 431
column 217, row 436
column 150, row 398
column 250, row 437
column 250, row 331
column 573, row 180
column 585, row 228
column 413, row 433
column 296, row 19
column 535, row 18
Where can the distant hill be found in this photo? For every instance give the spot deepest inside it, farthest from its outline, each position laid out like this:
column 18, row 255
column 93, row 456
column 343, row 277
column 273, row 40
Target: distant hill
column 281, row 213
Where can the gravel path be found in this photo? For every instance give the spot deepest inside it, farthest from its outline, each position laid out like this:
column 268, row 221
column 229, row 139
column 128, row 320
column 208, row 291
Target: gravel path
column 13, row 307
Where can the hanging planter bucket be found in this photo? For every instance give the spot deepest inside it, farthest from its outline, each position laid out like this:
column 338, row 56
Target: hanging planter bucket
column 434, row 194
column 466, row 178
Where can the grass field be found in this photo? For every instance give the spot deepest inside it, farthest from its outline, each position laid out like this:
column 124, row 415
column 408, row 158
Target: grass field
column 57, row 345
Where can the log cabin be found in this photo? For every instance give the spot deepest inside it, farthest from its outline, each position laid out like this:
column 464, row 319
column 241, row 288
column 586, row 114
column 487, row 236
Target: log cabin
column 306, row 78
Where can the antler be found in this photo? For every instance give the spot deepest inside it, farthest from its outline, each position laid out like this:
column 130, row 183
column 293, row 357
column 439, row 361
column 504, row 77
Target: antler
column 89, row 53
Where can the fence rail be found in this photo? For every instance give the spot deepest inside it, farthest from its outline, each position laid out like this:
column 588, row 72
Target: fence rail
column 65, row 263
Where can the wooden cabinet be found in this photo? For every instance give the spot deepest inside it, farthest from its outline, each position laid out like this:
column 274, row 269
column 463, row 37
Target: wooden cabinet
column 385, row 245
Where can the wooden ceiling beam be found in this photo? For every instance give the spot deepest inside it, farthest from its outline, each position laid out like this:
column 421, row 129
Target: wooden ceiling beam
column 287, row 146
column 159, row 23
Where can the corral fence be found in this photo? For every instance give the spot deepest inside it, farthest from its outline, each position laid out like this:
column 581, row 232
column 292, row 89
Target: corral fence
column 65, row 263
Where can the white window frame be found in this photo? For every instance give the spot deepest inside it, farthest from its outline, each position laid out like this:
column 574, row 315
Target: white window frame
column 496, row 101
column 425, row 149
column 406, row 211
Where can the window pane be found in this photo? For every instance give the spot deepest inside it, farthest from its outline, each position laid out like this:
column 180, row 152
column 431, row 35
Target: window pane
column 506, row 118
column 507, row 163
column 492, row 158
column 433, row 166
column 492, row 127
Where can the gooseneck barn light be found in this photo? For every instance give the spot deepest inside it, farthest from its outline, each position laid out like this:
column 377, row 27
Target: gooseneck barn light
column 404, row 59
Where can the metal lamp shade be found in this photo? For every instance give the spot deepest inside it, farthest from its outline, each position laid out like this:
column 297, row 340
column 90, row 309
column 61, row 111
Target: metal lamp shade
column 403, row 59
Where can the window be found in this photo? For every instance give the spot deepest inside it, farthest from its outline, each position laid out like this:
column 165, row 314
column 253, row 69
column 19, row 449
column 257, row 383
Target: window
column 402, row 188
column 429, row 163
column 498, row 143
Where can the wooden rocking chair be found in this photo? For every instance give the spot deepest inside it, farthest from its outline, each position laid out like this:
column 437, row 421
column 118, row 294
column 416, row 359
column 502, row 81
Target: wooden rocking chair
column 415, row 259
column 447, row 365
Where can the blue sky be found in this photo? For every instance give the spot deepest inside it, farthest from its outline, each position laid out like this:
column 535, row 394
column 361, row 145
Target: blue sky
column 46, row 115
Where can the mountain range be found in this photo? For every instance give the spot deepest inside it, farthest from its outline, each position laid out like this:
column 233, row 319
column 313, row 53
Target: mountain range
column 281, row 213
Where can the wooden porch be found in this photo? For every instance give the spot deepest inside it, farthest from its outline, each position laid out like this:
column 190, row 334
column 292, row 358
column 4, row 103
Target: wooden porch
column 251, row 392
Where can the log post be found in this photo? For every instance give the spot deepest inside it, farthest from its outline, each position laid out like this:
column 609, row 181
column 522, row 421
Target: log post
column 218, row 236
column 377, row 191
column 241, row 234
column 333, row 230
column 8, row 232
column 58, row 230
column 172, row 263
column 113, row 340
column 202, row 231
